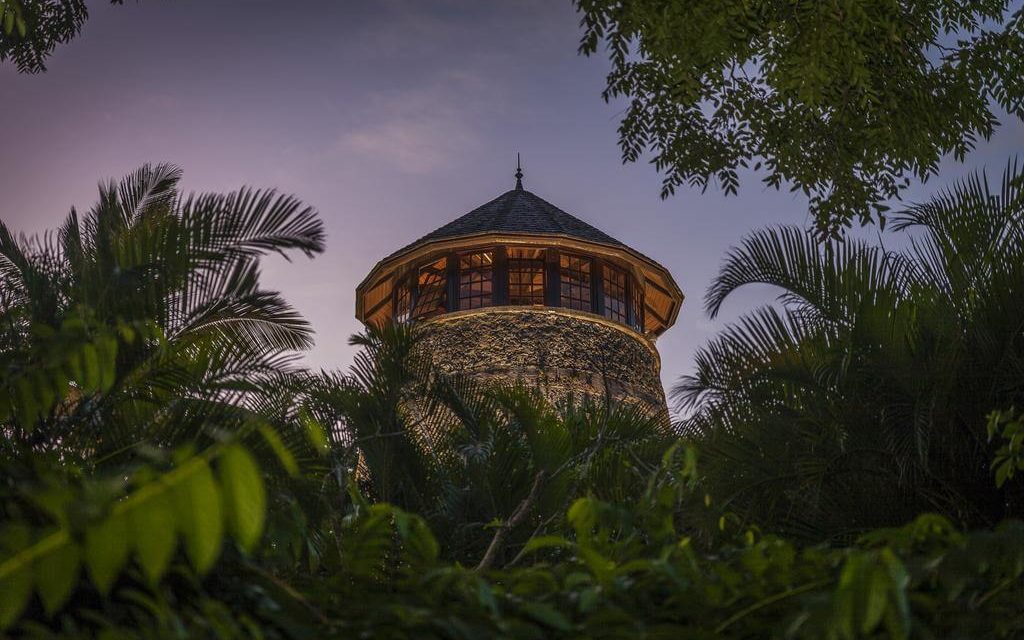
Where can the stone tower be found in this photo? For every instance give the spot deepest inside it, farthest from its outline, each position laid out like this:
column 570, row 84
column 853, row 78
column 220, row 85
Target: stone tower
column 519, row 289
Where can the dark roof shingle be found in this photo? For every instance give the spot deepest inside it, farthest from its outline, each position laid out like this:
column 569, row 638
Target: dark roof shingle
column 516, row 211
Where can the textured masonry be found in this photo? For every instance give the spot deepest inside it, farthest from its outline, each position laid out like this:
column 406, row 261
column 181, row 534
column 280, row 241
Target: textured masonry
column 566, row 352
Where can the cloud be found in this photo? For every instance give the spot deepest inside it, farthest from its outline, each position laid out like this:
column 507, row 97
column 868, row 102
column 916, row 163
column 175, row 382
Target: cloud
column 414, row 144
column 707, row 326
column 423, row 129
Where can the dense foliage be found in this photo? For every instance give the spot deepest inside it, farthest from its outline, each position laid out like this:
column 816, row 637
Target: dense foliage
column 861, row 402
column 844, row 100
column 151, row 305
column 31, row 29
column 167, row 471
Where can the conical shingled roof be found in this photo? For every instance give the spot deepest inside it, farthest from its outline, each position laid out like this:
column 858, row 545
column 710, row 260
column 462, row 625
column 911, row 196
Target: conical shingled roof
column 521, row 213
column 516, row 211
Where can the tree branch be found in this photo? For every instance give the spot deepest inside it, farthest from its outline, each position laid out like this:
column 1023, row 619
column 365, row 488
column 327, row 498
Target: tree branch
column 498, row 541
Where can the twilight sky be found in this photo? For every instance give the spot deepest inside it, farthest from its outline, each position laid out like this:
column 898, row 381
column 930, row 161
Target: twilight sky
column 390, row 117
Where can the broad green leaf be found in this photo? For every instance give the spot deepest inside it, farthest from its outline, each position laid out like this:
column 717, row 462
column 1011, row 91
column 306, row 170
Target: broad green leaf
column 545, row 542
column 197, row 503
column 602, row 568
column 583, row 515
column 898, row 623
column 1004, row 472
column 60, row 382
column 316, row 432
column 876, row 598
column 154, row 535
column 107, row 356
column 56, row 573
column 91, row 367
column 283, row 454
column 245, row 498
column 588, row 598
column 106, row 550
column 845, row 595
column 15, row 589
column 421, row 542
column 546, row 614
column 75, row 369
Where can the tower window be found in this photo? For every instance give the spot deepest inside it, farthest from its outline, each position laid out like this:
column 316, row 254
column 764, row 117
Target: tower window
column 575, row 280
column 433, row 287
column 614, row 293
column 638, row 308
column 525, row 276
column 476, row 280
column 403, row 301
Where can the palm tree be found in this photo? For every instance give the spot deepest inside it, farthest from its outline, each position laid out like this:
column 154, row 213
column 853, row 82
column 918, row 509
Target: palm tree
column 486, row 465
column 176, row 279
column 860, row 399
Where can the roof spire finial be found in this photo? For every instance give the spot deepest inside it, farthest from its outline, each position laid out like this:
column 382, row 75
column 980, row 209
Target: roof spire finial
column 519, row 174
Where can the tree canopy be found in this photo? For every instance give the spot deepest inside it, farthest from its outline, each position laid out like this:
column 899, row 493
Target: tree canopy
column 31, row 29
column 860, row 400
column 845, row 100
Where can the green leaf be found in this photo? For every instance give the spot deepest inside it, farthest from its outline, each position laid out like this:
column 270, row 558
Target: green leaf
column 107, row 357
column 583, row 516
column 245, row 498
column 91, row 367
column 548, row 615
column 283, row 454
column 197, row 503
column 106, row 550
column 420, row 541
column 545, row 542
column 154, row 536
column 15, row 589
column 588, row 598
column 602, row 568
column 898, row 623
column 315, row 431
column 1004, row 472
column 876, row 597
column 56, row 574
column 75, row 369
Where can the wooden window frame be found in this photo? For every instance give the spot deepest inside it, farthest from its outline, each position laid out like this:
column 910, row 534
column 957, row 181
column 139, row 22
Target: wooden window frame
column 487, row 299
column 571, row 301
column 620, row 316
column 444, row 288
column 634, row 315
column 542, row 268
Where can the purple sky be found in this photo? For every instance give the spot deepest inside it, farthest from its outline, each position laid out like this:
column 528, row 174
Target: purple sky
column 391, row 118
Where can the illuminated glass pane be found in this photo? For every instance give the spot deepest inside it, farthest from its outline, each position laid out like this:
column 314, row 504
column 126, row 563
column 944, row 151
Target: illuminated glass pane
column 638, row 307
column 575, row 275
column 403, row 301
column 525, row 276
column 476, row 280
column 614, row 293
column 432, row 296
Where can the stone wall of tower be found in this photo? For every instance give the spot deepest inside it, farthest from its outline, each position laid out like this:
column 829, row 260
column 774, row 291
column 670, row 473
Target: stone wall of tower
column 566, row 352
